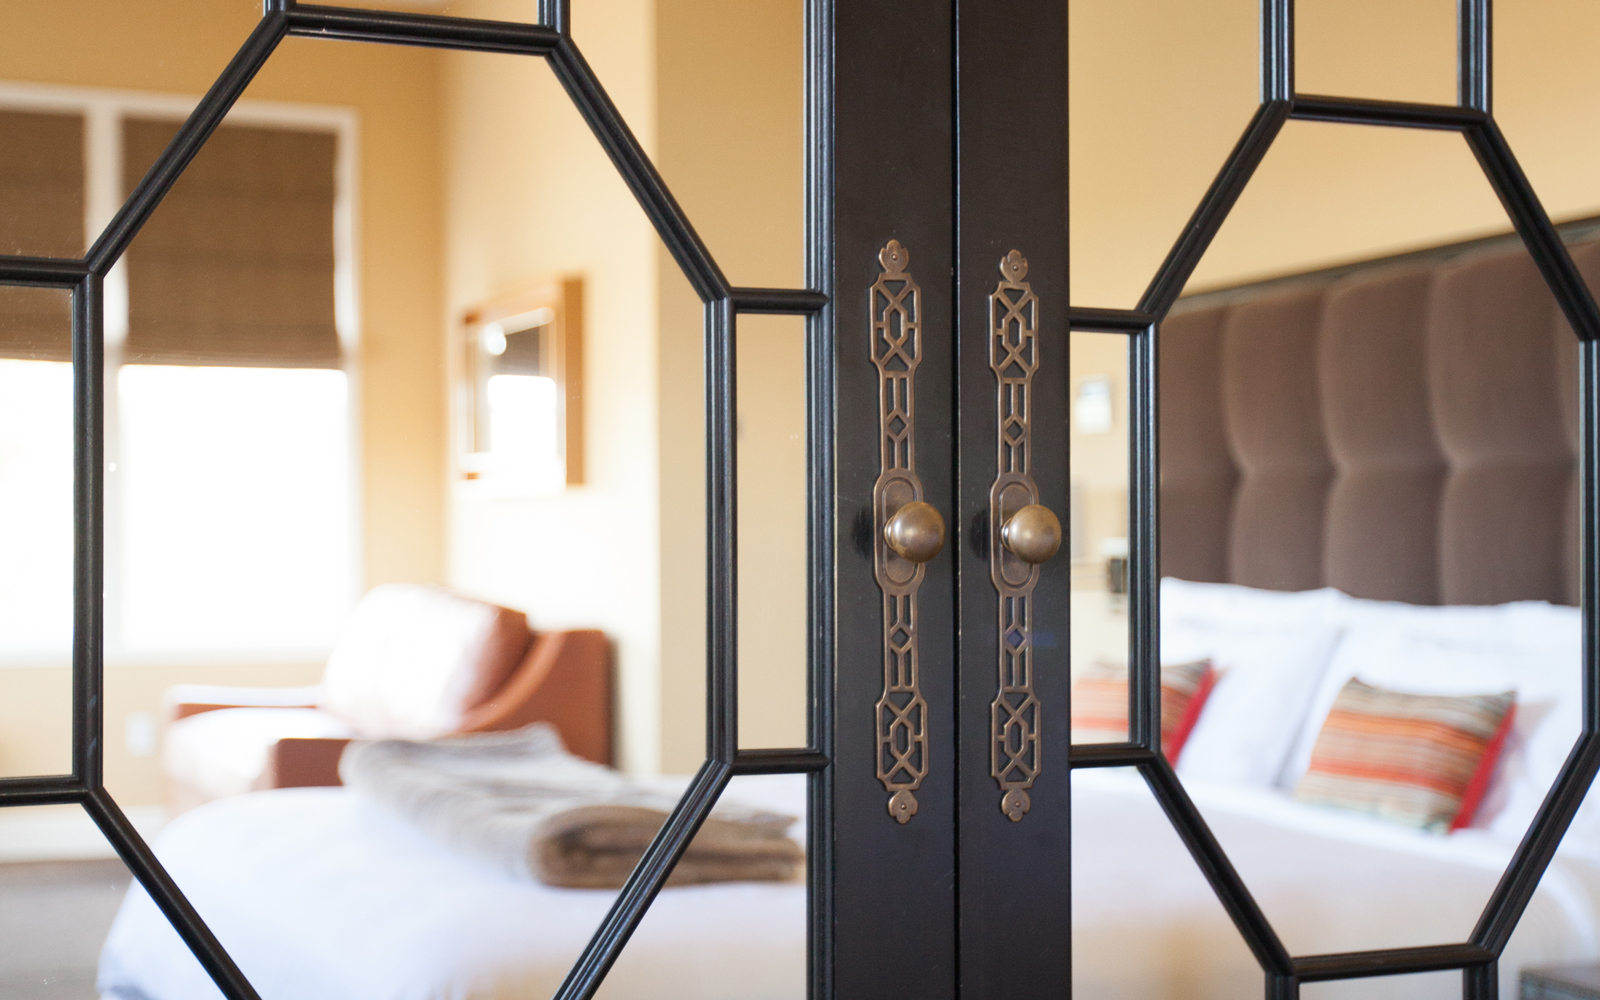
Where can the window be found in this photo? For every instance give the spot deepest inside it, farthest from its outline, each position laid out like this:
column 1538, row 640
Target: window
column 230, row 503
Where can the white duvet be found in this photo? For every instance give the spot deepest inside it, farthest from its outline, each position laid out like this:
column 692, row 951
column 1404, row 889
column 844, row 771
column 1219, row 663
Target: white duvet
column 318, row 898
column 1146, row 924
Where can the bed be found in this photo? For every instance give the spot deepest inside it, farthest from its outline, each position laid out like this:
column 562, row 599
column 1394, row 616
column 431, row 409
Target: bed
column 381, row 912
column 1367, row 473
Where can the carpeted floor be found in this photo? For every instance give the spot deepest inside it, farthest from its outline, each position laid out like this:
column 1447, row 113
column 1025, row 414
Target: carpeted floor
column 53, row 918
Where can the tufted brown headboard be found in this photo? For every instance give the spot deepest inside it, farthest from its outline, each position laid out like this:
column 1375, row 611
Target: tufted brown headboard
column 1403, row 429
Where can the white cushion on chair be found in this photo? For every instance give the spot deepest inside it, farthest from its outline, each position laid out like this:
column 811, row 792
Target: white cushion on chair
column 412, row 660
column 224, row 751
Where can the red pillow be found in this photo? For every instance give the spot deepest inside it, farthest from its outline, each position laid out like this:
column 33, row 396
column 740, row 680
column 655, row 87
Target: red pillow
column 1472, row 798
column 1100, row 703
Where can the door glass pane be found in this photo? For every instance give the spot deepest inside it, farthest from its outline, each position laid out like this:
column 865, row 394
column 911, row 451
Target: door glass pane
column 42, row 192
column 772, row 531
column 731, row 124
column 1159, row 94
column 36, row 541
column 1332, row 194
column 282, row 398
column 728, row 940
column 1145, row 923
column 61, row 885
column 1442, row 984
column 1098, row 535
column 1395, row 52
column 1354, row 381
column 36, row 709
column 203, row 452
column 1539, row 88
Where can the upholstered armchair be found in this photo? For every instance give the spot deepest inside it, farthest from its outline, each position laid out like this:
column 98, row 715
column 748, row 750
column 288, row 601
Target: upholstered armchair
column 413, row 662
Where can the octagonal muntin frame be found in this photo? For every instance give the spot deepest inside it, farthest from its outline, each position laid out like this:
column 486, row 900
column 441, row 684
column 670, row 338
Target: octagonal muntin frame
column 1478, row 956
column 550, row 38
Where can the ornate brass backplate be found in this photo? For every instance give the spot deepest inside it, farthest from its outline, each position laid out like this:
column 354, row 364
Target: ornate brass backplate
column 902, row 714
column 1016, row 524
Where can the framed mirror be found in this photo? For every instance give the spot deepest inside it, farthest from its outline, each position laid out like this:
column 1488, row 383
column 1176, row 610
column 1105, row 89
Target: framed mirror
column 520, row 389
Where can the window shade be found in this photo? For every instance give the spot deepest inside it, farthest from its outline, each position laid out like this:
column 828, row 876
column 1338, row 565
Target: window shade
column 41, row 214
column 235, row 267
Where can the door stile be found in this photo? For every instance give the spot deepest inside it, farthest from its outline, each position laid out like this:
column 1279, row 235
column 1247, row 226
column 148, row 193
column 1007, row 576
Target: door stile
column 888, row 126
column 1014, row 806
column 820, row 513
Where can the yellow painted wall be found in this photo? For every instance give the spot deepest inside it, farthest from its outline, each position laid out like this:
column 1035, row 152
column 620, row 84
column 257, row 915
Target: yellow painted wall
column 179, row 46
column 529, row 193
column 1162, row 90
column 731, row 146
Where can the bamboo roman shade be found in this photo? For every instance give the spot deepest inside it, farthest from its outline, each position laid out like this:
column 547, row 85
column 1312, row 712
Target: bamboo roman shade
column 235, row 267
column 41, row 214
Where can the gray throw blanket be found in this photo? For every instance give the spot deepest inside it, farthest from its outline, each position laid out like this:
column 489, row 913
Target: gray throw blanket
column 520, row 802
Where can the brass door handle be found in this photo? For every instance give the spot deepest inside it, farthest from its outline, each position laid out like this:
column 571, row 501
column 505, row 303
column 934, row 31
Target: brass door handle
column 1033, row 533
column 912, row 531
column 916, row 532
column 1022, row 534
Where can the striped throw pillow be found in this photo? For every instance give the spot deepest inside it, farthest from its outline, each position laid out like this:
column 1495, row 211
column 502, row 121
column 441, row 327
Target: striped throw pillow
column 1420, row 760
column 1100, row 703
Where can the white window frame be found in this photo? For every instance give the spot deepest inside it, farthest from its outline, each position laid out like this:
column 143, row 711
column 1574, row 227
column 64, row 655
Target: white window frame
column 103, row 111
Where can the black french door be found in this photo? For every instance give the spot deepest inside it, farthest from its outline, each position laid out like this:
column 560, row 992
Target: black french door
column 938, row 739
column 950, row 866
column 949, row 780
column 937, row 346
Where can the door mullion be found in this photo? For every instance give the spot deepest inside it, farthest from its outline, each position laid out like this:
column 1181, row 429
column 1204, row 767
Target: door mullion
column 893, row 817
column 1014, row 809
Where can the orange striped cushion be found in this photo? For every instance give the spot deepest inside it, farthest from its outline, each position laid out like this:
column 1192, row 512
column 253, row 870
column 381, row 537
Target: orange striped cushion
column 1100, row 703
column 1420, row 760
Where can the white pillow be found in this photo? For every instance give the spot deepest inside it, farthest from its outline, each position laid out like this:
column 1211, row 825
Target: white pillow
column 1266, row 678
column 1543, row 748
column 1219, row 604
column 1529, row 647
column 1517, row 623
column 413, row 660
column 1270, row 649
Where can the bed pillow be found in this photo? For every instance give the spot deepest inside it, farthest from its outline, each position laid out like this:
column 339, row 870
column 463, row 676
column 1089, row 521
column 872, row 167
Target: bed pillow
column 1270, row 649
column 413, row 660
column 1232, row 605
column 1518, row 623
column 1100, row 703
column 1419, row 760
column 1532, row 648
column 1265, row 681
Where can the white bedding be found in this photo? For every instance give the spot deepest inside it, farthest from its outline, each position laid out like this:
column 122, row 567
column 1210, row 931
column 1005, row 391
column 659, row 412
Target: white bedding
column 1147, row 925
column 321, row 899
column 318, row 896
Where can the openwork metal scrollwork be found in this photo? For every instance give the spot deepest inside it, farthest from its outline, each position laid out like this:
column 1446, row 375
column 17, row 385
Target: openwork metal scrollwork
column 902, row 714
column 1014, row 357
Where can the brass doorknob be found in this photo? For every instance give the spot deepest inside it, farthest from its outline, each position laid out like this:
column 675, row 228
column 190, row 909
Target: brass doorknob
column 1033, row 533
column 915, row 531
